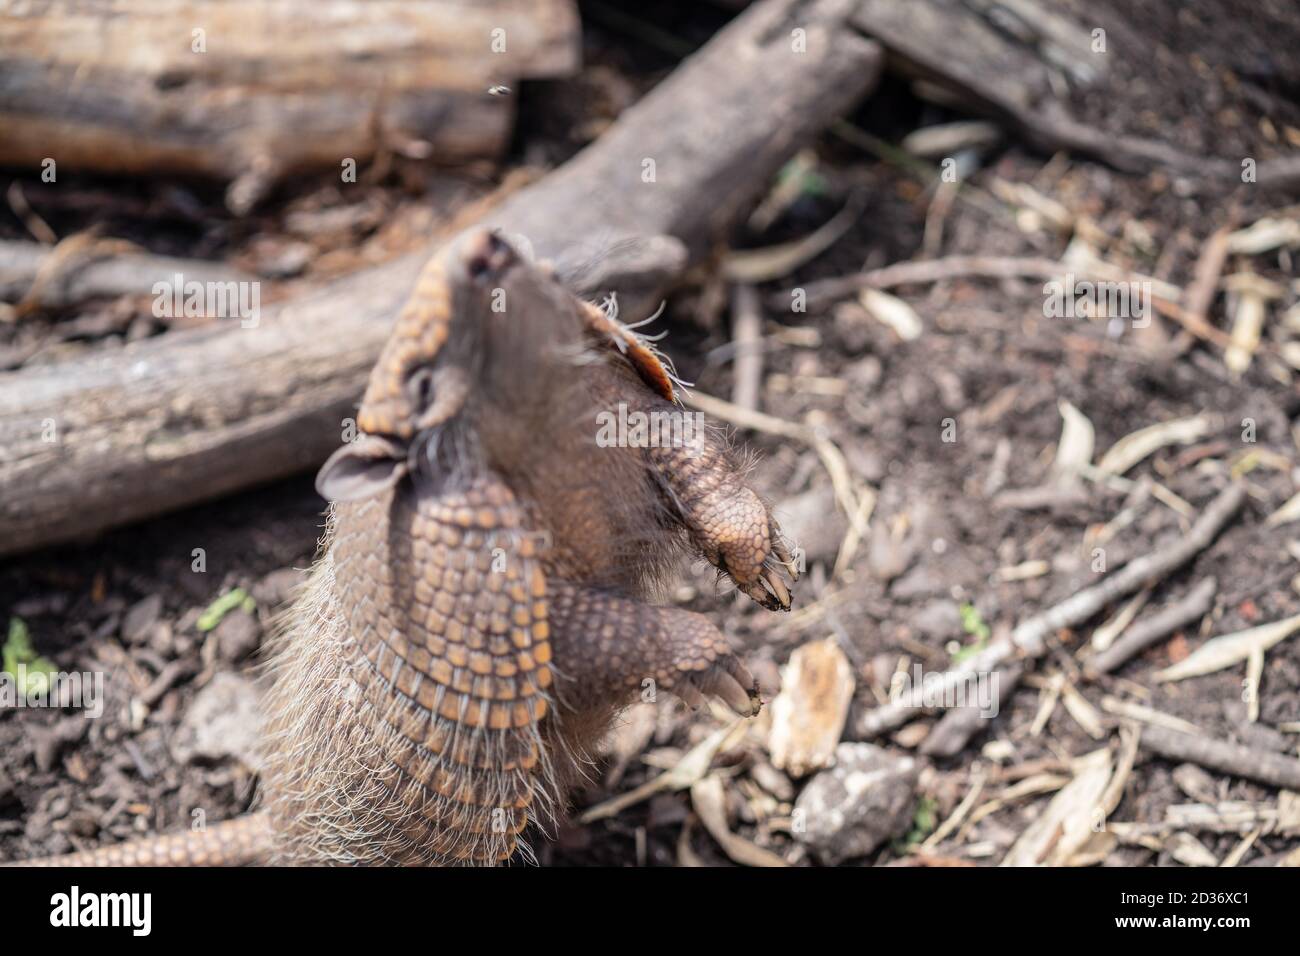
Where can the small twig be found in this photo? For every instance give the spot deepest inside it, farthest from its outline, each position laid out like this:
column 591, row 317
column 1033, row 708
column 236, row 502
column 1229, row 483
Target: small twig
column 1196, row 325
column 932, row 270
column 747, row 333
column 37, row 226
column 86, row 266
column 945, row 195
column 166, row 679
column 1114, row 792
column 1191, row 607
column 1029, row 638
column 1147, row 715
column 969, row 267
column 853, row 535
column 774, row 262
column 1205, row 276
column 1146, row 569
column 958, row 725
column 978, row 779
column 1104, row 636
column 1274, row 769
column 50, row 281
column 1241, row 849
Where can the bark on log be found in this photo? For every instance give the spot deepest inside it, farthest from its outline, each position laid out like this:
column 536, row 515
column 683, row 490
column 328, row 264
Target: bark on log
column 998, row 57
column 251, row 90
column 168, row 422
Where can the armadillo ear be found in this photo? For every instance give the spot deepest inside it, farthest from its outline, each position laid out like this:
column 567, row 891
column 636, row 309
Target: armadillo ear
column 361, row 469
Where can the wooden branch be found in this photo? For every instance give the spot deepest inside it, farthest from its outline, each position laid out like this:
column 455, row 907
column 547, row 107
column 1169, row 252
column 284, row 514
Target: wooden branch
column 244, row 89
column 1030, row 636
column 1274, row 769
column 825, row 291
column 167, row 422
column 1141, row 635
column 747, row 338
column 959, row 724
column 1141, row 571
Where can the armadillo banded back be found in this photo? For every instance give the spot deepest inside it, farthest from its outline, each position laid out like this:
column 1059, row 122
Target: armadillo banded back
column 447, row 604
column 428, row 749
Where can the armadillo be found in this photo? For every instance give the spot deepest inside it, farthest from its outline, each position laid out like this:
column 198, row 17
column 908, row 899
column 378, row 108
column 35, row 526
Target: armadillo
column 479, row 613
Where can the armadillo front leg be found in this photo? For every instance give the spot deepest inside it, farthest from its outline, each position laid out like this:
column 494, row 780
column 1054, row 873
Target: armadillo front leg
column 726, row 519
column 607, row 649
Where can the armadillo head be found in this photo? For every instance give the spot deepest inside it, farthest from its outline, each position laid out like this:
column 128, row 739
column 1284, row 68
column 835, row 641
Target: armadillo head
column 483, row 323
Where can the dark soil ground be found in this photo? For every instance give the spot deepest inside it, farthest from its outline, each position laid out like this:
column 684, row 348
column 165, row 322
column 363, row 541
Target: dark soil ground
column 1223, row 83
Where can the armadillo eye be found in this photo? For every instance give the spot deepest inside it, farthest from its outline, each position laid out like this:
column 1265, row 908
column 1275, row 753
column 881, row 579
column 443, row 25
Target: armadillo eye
column 419, row 387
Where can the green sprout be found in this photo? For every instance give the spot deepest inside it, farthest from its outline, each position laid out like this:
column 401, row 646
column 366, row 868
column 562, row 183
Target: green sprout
column 924, row 820
column 974, row 625
column 223, row 605
column 19, row 652
column 801, row 178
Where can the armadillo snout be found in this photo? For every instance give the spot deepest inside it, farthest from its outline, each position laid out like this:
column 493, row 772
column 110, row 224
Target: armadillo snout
column 486, row 256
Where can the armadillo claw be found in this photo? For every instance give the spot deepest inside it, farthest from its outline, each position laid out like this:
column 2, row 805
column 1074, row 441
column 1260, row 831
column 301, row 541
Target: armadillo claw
column 729, row 524
column 728, row 680
column 783, row 553
column 754, row 562
column 769, row 591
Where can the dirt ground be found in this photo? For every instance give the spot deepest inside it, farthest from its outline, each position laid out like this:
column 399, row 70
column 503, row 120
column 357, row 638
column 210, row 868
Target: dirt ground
column 946, row 523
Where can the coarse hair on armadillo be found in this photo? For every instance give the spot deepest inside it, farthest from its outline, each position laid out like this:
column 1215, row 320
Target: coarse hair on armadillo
column 330, row 783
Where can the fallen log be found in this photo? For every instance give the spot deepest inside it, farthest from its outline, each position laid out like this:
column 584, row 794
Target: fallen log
column 1006, row 59
column 250, row 91
column 167, row 422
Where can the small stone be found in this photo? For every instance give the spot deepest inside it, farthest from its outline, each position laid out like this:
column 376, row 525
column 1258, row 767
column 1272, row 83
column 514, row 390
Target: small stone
column 237, row 635
column 863, row 801
column 278, row 587
column 890, row 550
column 162, row 639
column 282, row 260
column 939, row 620
column 224, row 720
column 772, row 780
column 999, row 751
column 140, row 619
column 913, row 735
column 853, row 325
column 1195, row 782
column 48, row 742
column 82, row 823
column 814, row 524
